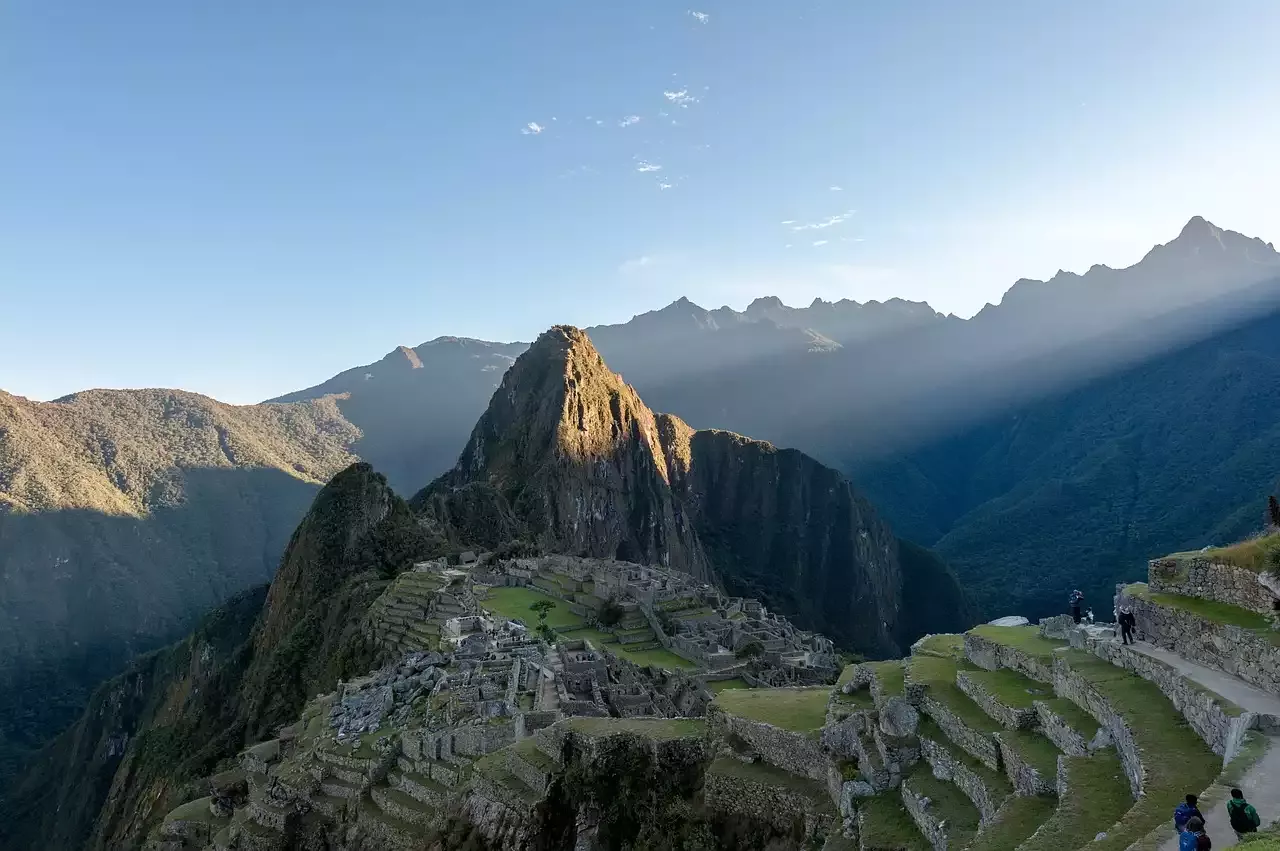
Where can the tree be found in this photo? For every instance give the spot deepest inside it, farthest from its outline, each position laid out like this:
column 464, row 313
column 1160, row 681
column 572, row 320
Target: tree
column 1273, row 512
column 750, row 650
column 610, row 613
column 541, row 608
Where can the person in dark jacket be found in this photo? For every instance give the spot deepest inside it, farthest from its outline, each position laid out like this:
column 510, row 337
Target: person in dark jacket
column 1244, row 818
column 1076, row 599
column 1128, row 623
column 1185, row 812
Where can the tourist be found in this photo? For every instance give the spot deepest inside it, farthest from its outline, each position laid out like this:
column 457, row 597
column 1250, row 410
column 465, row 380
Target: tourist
column 1244, row 818
column 1076, row 599
column 1194, row 838
column 1185, row 812
column 1128, row 623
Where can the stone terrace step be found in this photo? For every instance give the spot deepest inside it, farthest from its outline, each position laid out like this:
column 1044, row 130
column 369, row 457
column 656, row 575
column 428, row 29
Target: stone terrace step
column 418, row 786
column 534, row 768
column 1030, row 761
column 1015, row 821
column 962, row 720
column 1095, row 792
column 402, row 806
column 987, row 789
column 885, row 825
column 1006, row 696
column 942, row 812
column 339, row 787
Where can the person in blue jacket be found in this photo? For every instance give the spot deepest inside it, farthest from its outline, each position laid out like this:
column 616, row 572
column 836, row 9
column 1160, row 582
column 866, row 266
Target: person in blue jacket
column 1185, row 812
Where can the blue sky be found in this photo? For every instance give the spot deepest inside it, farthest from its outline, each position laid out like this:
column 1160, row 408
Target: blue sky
column 245, row 197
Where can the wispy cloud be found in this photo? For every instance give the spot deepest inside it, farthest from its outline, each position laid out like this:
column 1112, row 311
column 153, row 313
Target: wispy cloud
column 630, row 267
column 644, row 166
column 533, row 128
column 835, row 188
column 629, row 120
column 680, row 98
column 825, row 223
column 664, row 185
column 789, row 222
column 818, row 242
column 700, row 17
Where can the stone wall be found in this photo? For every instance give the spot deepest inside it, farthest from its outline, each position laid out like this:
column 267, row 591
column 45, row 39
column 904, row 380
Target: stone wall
column 1067, row 683
column 1251, row 657
column 980, row 745
column 1024, row 776
column 930, row 823
column 1220, row 725
column 992, row 656
column 782, row 806
column 946, row 767
column 1201, row 577
column 1014, row 718
column 1056, row 729
column 794, row 752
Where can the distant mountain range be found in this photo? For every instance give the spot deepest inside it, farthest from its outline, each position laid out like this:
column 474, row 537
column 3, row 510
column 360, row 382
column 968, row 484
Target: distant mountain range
column 126, row 514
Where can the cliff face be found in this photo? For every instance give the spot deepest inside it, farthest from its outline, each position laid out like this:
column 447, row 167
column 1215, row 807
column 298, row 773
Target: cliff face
column 150, row 734
column 569, row 456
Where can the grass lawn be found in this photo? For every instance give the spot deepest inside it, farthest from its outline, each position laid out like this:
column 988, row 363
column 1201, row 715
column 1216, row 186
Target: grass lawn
column 860, row 699
column 1210, row 610
column 1024, row 638
column 197, row 811
column 801, row 710
column 947, row 802
column 938, row 675
column 1017, row 819
column 767, row 775
column 951, row 646
column 1011, row 688
column 892, row 677
column 718, row 686
column 595, row 636
column 845, row 676
column 1037, row 751
column 887, row 826
column 1097, row 796
column 654, row 728
column 995, row 781
column 513, row 603
column 658, row 657
column 1255, row 554
column 1077, row 719
column 1174, row 756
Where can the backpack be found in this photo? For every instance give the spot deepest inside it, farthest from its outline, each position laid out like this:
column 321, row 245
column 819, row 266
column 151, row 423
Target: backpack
column 1204, row 843
column 1244, row 818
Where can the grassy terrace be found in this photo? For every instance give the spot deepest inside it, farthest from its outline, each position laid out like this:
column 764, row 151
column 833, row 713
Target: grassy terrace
column 1256, row 554
column 513, row 603
column 1024, row 638
column 891, row 675
column 1097, row 796
column 1173, row 755
column 767, row 775
column 718, row 686
column 197, row 811
column 1210, row 610
column 950, row 646
column 887, row 826
column 1014, row 822
column 801, row 710
column 653, row 728
column 996, row 781
column 947, row 803
column 1010, row 687
column 1037, row 751
column 938, row 675
column 845, row 676
column 1077, row 719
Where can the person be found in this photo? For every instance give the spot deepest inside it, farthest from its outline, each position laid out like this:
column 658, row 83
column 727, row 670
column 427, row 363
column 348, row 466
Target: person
column 1244, row 818
column 1194, row 838
column 1076, row 599
column 1128, row 623
column 1186, row 811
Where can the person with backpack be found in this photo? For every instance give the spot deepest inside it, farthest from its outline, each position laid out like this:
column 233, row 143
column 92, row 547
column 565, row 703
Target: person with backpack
column 1244, row 818
column 1185, row 812
column 1128, row 623
column 1194, row 838
column 1076, row 599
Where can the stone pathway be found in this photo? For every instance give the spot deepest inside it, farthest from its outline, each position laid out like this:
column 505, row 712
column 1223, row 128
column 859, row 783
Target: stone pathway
column 1261, row 785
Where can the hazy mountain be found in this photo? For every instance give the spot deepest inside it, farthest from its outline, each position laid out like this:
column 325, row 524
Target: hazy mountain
column 125, row 515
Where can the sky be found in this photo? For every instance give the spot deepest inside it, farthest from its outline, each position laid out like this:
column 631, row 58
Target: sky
column 243, row 198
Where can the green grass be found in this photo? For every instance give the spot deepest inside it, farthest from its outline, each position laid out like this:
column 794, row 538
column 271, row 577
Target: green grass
column 951, row 646
column 1077, row 719
column 513, row 603
column 1024, row 638
column 718, row 686
column 995, row 781
column 1175, row 758
column 860, row 699
column 892, row 677
column 658, row 657
column 1010, row 687
column 1017, row 819
column 946, row 802
column 938, row 675
column 528, row 751
column 1097, row 797
column 653, row 728
column 1210, row 610
column 597, row 637
column 887, row 826
column 1037, row 751
column 767, row 775
column 801, row 710
column 845, row 676
column 197, row 811
column 1256, row 554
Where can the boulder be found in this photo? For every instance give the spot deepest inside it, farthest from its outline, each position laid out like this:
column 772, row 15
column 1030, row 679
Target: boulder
column 898, row 718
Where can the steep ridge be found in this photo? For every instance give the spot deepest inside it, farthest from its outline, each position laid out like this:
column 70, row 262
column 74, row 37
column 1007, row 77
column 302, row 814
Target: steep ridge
column 572, row 461
column 124, row 515
column 180, row 711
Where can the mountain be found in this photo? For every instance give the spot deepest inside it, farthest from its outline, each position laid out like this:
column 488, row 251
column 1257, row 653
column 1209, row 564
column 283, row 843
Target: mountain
column 126, row 515
column 172, row 718
column 571, row 460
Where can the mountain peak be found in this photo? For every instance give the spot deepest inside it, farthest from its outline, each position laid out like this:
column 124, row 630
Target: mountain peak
column 767, row 302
